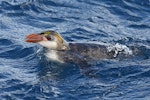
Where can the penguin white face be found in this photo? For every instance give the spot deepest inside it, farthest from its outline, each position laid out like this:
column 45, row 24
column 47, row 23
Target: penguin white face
column 48, row 39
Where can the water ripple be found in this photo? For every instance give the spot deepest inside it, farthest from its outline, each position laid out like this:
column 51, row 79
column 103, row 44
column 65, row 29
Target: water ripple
column 26, row 74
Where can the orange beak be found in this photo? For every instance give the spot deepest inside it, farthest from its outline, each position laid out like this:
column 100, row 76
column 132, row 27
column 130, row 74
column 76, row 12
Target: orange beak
column 34, row 38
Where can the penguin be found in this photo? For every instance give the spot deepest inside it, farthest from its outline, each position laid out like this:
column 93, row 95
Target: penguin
column 59, row 50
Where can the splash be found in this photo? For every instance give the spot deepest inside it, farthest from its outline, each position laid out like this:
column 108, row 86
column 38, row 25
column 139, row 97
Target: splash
column 119, row 49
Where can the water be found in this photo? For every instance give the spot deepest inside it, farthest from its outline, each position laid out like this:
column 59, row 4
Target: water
column 25, row 74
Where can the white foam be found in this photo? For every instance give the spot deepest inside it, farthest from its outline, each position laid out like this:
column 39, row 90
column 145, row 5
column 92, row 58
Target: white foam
column 119, row 48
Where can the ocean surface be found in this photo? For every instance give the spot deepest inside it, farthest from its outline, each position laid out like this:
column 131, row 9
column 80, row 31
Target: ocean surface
column 26, row 75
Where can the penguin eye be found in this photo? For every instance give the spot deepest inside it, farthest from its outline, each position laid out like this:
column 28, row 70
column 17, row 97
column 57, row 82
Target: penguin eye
column 48, row 38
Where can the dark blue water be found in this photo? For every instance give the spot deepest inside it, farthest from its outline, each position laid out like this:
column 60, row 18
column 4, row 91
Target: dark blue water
column 25, row 74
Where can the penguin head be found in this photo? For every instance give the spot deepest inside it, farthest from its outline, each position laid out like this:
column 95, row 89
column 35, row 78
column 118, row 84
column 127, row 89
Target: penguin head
column 49, row 39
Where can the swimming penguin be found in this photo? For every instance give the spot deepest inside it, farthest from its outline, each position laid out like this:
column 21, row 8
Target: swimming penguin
column 57, row 49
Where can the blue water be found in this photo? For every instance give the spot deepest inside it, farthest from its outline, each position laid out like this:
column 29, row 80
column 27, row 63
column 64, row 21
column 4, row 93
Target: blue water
column 25, row 74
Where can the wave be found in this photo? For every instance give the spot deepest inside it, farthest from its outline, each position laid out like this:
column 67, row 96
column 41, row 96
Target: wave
column 26, row 74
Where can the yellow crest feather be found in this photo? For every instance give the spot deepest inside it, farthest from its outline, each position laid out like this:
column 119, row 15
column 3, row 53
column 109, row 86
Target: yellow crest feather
column 60, row 39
